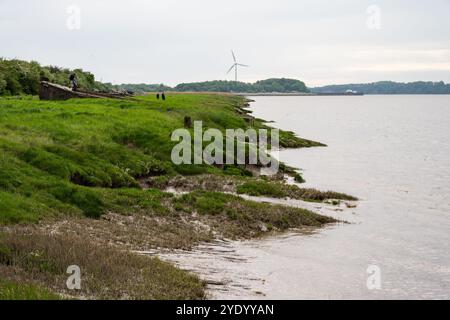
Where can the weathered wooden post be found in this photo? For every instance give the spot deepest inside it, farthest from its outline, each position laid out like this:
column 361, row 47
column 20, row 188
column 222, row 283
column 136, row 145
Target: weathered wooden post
column 187, row 122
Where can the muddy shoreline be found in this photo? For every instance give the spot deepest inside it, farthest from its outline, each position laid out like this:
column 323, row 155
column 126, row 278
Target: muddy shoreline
column 223, row 263
column 163, row 215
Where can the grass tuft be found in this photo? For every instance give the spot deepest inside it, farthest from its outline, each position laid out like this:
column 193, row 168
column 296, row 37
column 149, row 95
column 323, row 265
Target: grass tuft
column 282, row 190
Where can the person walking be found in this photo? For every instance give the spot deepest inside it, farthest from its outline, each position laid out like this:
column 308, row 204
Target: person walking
column 73, row 81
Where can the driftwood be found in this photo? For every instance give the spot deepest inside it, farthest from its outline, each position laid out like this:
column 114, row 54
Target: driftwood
column 187, row 122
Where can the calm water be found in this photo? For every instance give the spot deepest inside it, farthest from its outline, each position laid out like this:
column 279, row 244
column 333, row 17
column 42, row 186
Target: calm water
column 393, row 152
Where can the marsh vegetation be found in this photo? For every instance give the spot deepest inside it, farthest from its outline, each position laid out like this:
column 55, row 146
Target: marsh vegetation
column 82, row 180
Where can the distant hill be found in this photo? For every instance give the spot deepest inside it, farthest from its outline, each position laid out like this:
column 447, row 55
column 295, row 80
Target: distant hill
column 269, row 85
column 388, row 87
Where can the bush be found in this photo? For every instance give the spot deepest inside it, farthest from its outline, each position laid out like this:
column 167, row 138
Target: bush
column 19, row 77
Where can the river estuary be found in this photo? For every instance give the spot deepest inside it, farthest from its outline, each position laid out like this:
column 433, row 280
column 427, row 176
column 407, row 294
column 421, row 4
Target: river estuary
column 393, row 153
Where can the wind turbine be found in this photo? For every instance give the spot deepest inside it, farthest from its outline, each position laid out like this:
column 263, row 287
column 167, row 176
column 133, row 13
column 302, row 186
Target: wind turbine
column 235, row 66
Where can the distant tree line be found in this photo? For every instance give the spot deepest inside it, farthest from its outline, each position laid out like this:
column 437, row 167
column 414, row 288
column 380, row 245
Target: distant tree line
column 142, row 87
column 269, row 85
column 19, row 77
column 388, row 87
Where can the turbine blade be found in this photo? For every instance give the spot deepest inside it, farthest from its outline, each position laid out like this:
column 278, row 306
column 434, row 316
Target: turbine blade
column 231, row 68
column 234, row 57
column 242, row 65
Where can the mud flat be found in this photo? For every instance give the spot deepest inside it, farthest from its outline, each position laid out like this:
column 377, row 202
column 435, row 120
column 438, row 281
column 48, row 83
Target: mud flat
column 246, row 269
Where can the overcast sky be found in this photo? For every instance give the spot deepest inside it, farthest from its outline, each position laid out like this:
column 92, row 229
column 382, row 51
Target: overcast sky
column 320, row 42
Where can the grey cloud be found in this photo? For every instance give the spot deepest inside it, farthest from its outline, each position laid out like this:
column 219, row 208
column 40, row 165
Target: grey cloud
column 175, row 41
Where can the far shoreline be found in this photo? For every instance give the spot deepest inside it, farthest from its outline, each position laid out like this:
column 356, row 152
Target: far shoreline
column 298, row 94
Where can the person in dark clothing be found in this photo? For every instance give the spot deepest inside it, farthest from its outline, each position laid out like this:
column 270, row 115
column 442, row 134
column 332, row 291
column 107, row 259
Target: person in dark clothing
column 73, row 81
column 163, row 96
column 157, row 96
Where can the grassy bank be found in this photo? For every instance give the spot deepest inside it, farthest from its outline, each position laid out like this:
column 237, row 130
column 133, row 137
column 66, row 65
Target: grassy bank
column 75, row 189
column 54, row 153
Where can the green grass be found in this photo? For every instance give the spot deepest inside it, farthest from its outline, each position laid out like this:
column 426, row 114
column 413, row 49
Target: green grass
column 57, row 156
column 69, row 163
column 272, row 188
column 10, row 290
column 282, row 190
column 213, row 203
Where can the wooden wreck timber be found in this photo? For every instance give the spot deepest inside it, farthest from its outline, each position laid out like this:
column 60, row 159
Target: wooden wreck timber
column 53, row 91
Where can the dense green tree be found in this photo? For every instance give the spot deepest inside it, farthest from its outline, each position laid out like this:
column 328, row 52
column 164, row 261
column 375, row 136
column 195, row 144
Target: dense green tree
column 2, row 84
column 21, row 77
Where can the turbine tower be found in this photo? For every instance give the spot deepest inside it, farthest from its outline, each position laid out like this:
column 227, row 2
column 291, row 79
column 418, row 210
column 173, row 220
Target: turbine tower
column 235, row 66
